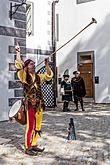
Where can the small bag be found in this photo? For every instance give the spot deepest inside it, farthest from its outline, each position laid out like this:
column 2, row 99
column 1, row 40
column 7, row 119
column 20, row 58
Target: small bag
column 62, row 91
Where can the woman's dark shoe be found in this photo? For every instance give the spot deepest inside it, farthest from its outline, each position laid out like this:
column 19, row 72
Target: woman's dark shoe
column 68, row 110
column 36, row 148
column 31, row 152
column 76, row 109
column 64, row 110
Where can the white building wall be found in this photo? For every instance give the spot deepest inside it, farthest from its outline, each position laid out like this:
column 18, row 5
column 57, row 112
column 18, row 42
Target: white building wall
column 4, row 14
column 10, row 31
column 42, row 30
column 42, row 26
column 5, row 75
column 73, row 18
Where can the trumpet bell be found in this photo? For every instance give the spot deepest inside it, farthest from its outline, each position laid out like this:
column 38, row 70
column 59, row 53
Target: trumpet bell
column 93, row 20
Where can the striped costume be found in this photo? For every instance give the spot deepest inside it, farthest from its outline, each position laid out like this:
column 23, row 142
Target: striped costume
column 33, row 100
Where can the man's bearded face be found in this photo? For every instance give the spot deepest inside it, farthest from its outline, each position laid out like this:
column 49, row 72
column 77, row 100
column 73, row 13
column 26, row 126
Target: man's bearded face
column 31, row 67
column 77, row 75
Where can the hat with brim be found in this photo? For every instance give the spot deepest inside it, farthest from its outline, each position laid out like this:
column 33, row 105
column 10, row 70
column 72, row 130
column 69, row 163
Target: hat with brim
column 66, row 73
column 27, row 62
column 76, row 72
column 65, row 76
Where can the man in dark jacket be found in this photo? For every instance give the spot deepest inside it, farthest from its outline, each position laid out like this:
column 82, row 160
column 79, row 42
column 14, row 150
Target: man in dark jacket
column 79, row 90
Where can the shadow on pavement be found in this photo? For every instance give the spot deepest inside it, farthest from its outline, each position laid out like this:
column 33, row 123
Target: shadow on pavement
column 92, row 131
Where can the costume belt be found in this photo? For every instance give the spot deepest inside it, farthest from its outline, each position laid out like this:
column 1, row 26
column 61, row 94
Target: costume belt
column 34, row 100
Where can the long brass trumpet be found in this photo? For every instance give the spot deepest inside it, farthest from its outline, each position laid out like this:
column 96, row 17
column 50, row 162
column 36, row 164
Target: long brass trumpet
column 93, row 21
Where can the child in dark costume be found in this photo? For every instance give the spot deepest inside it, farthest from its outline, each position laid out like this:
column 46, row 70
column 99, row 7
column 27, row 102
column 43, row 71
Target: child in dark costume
column 71, row 130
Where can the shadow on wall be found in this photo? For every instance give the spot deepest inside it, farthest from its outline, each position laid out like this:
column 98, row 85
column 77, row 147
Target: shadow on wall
column 100, row 42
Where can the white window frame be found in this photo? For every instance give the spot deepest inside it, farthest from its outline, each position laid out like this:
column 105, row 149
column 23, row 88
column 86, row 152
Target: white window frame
column 83, row 1
column 30, row 18
column 57, row 27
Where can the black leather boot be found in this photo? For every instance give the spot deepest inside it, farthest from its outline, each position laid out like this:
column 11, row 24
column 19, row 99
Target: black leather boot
column 31, row 152
column 76, row 103
column 64, row 106
column 67, row 104
column 81, row 102
column 36, row 148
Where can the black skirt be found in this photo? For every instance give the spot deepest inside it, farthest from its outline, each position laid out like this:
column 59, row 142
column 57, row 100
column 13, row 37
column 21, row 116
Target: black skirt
column 67, row 97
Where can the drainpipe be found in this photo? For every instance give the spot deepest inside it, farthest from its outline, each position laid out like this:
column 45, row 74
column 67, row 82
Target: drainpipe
column 54, row 55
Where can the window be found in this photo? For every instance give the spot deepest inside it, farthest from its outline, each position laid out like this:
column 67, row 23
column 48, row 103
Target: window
column 85, row 58
column 57, row 27
column 83, row 1
column 29, row 18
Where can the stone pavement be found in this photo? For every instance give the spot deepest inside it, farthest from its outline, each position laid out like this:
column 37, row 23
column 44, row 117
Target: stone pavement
column 92, row 146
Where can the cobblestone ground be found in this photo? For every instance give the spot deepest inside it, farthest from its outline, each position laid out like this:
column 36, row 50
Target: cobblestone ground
column 90, row 148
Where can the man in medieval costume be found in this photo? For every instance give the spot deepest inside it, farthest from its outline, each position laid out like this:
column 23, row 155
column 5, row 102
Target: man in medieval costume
column 79, row 90
column 33, row 99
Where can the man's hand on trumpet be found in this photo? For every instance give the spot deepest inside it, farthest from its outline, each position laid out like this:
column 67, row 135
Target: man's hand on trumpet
column 46, row 61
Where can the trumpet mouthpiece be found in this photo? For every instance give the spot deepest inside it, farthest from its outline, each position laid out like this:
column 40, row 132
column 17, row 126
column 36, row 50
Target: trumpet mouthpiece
column 93, row 20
